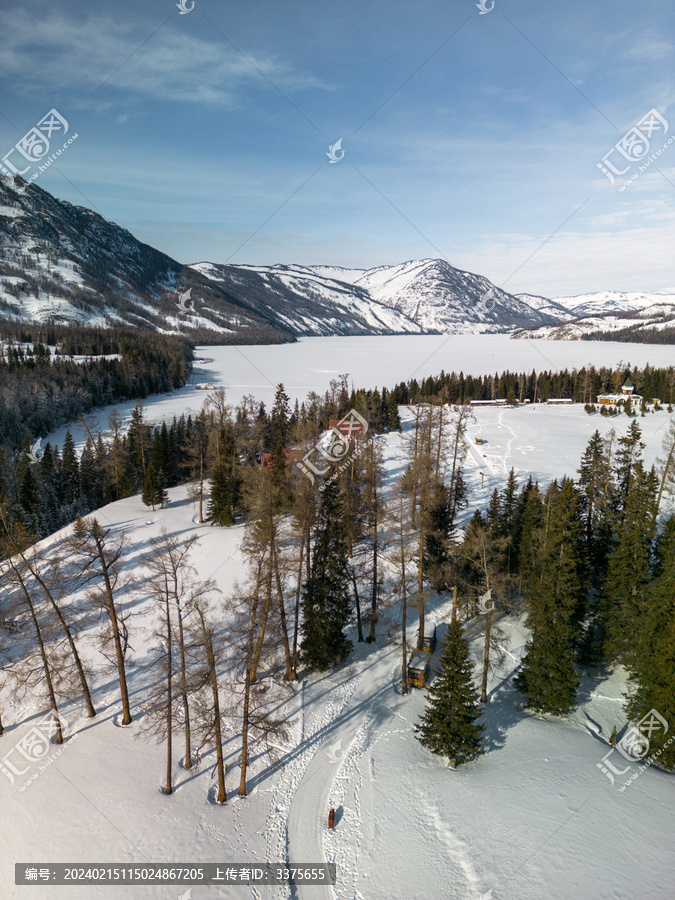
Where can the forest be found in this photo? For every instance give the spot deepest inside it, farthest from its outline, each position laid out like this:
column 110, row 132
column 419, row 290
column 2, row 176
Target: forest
column 588, row 561
column 41, row 390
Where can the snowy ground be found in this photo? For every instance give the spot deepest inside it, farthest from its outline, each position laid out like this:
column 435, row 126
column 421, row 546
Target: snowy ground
column 534, row 817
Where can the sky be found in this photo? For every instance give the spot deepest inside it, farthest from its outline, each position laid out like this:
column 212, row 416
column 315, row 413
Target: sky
column 473, row 135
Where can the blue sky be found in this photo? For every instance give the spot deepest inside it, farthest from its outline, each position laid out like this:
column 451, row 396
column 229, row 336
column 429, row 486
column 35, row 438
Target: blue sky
column 470, row 136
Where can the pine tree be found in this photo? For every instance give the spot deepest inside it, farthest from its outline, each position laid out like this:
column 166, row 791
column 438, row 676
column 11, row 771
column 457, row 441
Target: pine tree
column 220, row 509
column 598, row 501
column 326, row 593
column 556, row 592
column 448, row 726
column 629, row 567
column 154, row 493
column 628, row 455
column 652, row 664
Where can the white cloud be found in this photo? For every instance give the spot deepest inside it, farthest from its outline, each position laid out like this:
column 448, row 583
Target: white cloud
column 167, row 65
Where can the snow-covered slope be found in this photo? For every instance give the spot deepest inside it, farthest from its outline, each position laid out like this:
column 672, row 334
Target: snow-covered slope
column 632, row 313
column 427, row 295
column 443, row 298
column 309, row 302
column 65, row 264
column 533, row 818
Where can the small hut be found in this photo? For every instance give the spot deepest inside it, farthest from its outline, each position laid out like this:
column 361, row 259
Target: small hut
column 418, row 669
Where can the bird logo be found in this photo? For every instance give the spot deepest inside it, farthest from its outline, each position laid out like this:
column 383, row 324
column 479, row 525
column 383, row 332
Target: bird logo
column 36, row 452
column 488, row 297
column 483, row 606
column 488, row 895
column 183, row 10
column 335, row 753
column 485, row 9
column 183, row 298
column 334, row 151
column 188, row 894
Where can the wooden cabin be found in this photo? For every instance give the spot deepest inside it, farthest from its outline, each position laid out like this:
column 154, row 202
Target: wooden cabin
column 429, row 642
column 418, row 669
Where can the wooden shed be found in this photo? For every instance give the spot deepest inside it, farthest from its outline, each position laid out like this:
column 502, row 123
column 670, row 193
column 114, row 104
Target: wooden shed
column 418, row 669
column 429, row 642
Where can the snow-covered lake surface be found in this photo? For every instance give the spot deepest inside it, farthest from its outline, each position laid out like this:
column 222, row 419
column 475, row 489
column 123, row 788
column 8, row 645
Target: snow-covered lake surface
column 311, row 364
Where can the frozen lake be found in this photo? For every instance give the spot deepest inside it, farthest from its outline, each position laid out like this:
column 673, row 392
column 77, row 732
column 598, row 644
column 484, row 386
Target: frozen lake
column 311, row 364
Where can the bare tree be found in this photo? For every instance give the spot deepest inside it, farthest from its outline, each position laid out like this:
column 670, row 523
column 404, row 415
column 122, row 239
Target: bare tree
column 96, row 555
column 16, row 575
column 210, row 717
column 172, row 579
column 52, row 584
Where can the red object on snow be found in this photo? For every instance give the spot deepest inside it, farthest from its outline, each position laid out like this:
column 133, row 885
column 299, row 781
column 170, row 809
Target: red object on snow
column 331, row 819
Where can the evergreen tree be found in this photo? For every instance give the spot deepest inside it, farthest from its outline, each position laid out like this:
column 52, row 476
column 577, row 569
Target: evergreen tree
column 70, row 471
column 629, row 567
column 598, row 501
column 326, row 601
column 448, row 726
column 628, row 455
column 280, row 431
column 436, row 551
column 652, row 665
column 556, row 592
column 220, row 510
column 154, row 493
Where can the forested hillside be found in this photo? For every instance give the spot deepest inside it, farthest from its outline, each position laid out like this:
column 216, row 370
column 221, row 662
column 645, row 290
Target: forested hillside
column 41, row 389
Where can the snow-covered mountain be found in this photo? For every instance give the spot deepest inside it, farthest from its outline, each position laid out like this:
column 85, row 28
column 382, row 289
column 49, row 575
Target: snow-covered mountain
column 65, row 264
column 427, row 295
column 636, row 314
column 308, row 302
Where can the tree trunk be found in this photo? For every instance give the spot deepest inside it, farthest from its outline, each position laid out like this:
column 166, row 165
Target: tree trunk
column 244, row 735
column 486, row 654
column 404, row 601
column 183, row 687
column 43, row 654
column 296, row 623
column 91, row 711
column 665, row 475
column 420, row 591
column 201, row 484
column 169, row 698
column 359, row 624
column 213, row 678
column 112, row 614
column 253, row 670
column 373, row 607
column 290, row 673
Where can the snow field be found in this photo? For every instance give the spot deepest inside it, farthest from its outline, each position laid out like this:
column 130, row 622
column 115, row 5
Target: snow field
column 534, row 817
